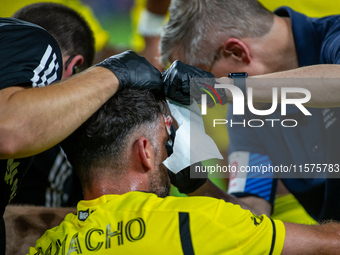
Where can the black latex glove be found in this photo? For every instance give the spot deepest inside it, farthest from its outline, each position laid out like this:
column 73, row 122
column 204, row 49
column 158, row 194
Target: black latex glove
column 182, row 180
column 176, row 80
column 133, row 71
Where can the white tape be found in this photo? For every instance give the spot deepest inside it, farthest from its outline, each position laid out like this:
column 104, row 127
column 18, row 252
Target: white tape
column 150, row 24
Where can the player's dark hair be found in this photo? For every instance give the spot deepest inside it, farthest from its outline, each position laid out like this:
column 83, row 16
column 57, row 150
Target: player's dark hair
column 69, row 28
column 102, row 139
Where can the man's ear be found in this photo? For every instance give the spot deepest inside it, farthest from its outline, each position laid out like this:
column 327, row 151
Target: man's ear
column 236, row 49
column 77, row 60
column 144, row 151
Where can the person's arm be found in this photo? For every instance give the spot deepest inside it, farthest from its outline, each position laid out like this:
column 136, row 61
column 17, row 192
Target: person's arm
column 322, row 81
column 306, row 239
column 257, row 205
column 257, row 189
column 35, row 119
column 203, row 187
column 209, row 189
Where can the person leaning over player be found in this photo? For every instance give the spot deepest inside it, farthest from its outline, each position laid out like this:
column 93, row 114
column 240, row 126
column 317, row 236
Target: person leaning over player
column 50, row 179
column 35, row 117
column 242, row 36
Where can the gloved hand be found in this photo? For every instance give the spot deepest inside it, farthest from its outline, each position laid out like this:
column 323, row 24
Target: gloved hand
column 133, row 71
column 176, row 80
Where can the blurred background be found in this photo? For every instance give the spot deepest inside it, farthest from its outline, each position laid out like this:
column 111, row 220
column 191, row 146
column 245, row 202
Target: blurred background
column 115, row 18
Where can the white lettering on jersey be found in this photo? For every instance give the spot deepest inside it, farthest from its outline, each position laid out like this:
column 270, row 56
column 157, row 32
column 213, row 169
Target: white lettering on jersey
column 44, row 69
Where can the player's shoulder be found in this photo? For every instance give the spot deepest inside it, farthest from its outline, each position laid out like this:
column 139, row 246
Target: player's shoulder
column 24, row 39
column 28, row 54
column 136, row 202
column 11, row 25
column 207, row 206
column 12, row 29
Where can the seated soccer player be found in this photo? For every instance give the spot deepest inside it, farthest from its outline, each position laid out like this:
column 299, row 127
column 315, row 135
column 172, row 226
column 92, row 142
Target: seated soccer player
column 118, row 155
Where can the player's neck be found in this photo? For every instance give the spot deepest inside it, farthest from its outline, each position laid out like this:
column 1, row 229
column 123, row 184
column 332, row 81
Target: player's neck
column 114, row 185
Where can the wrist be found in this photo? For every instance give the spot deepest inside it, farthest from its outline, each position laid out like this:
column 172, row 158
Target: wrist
column 240, row 82
column 227, row 81
column 106, row 77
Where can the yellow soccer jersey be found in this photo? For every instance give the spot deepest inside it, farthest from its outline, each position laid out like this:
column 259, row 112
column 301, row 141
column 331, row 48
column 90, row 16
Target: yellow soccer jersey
column 142, row 223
